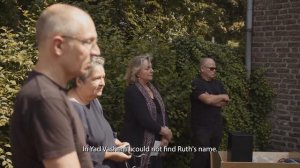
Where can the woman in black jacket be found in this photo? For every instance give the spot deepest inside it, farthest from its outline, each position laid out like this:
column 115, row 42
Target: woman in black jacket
column 145, row 117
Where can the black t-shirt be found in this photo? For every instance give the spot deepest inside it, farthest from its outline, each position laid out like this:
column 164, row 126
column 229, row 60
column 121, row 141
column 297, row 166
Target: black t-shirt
column 44, row 125
column 203, row 114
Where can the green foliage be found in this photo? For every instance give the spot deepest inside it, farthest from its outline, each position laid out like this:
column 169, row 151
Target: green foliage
column 17, row 56
column 9, row 13
column 189, row 51
column 175, row 65
column 172, row 32
column 260, row 104
column 12, row 68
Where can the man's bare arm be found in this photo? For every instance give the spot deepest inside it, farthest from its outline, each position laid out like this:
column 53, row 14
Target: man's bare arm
column 214, row 100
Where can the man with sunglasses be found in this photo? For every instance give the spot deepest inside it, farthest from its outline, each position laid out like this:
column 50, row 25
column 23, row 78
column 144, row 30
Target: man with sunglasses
column 45, row 129
column 207, row 98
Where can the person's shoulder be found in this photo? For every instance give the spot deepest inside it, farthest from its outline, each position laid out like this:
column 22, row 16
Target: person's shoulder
column 79, row 109
column 95, row 103
column 48, row 88
column 132, row 91
column 218, row 82
column 131, row 88
column 40, row 89
column 75, row 104
column 32, row 87
column 197, row 79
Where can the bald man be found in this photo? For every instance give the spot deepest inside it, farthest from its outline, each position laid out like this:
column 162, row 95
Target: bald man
column 45, row 129
column 207, row 98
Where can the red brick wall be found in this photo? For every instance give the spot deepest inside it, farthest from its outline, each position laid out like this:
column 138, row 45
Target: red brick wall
column 276, row 47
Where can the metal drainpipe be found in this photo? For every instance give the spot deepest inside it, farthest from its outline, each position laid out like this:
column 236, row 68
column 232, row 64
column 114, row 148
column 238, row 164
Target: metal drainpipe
column 249, row 37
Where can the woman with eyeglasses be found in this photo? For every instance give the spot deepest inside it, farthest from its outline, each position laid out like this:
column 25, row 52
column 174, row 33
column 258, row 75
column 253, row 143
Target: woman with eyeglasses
column 101, row 143
column 145, row 119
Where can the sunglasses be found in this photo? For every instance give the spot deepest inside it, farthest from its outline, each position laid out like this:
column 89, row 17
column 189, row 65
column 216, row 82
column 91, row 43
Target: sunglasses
column 212, row 68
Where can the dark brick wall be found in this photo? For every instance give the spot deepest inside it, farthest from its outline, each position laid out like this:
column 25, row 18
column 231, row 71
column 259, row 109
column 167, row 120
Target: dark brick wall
column 276, row 47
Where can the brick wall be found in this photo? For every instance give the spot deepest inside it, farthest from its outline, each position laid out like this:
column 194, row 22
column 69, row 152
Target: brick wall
column 276, row 47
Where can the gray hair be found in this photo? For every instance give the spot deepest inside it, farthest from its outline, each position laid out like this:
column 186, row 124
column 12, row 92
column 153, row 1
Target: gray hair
column 135, row 66
column 96, row 61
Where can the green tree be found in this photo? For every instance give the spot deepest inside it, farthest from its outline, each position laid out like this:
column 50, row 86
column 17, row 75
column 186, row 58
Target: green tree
column 17, row 56
column 176, row 33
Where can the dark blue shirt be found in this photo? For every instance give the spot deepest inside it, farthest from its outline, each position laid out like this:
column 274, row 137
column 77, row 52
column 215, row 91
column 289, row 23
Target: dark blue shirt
column 98, row 131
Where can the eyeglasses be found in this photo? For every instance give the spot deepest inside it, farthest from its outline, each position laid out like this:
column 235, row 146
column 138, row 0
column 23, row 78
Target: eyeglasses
column 89, row 43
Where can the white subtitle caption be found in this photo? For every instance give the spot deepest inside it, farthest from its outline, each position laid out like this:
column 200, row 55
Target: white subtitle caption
column 147, row 149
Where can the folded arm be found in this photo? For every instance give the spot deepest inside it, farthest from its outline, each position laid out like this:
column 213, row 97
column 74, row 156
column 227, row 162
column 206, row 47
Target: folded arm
column 214, row 100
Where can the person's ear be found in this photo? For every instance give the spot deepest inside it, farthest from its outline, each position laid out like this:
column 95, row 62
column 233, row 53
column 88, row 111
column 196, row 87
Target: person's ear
column 137, row 75
column 78, row 82
column 58, row 45
column 200, row 69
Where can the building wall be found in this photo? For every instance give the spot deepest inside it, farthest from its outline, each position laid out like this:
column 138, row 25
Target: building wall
column 276, row 47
